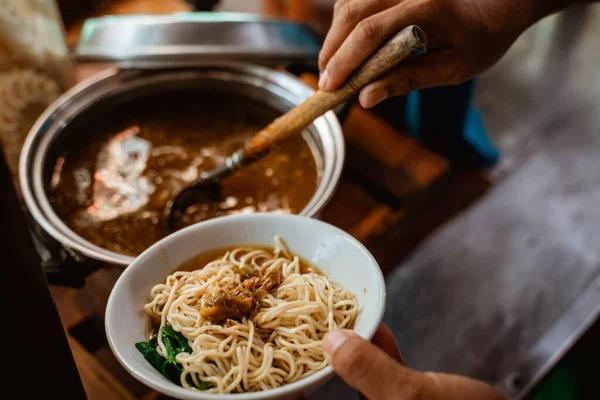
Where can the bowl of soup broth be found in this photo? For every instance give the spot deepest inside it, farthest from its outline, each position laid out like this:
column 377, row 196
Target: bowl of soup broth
column 100, row 167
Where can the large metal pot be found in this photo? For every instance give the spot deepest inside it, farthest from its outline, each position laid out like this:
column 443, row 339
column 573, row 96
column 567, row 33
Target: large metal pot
column 50, row 135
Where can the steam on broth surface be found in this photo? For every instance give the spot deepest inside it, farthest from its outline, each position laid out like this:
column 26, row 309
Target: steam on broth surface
column 113, row 184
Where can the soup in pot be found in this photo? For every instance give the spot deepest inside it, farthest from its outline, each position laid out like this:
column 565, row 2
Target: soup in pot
column 114, row 183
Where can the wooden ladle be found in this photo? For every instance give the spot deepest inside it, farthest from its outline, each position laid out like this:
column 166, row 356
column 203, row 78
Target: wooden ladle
column 208, row 189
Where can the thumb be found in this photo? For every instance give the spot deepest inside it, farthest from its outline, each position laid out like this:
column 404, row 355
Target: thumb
column 416, row 73
column 366, row 367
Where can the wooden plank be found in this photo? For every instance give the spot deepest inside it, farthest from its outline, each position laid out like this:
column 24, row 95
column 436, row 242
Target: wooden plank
column 98, row 287
column 156, row 396
column 108, row 360
column 295, row 10
column 392, row 148
column 67, row 302
column 126, row 7
column 318, row 14
column 98, row 382
column 411, row 225
column 76, row 305
column 349, row 204
column 273, row 8
column 392, row 186
column 153, row 396
column 384, row 159
column 374, row 223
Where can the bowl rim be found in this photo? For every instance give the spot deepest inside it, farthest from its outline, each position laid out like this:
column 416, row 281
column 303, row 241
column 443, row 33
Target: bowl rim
column 181, row 393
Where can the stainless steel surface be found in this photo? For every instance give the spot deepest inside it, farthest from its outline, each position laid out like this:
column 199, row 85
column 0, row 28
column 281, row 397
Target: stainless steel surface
column 503, row 290
column 192, row 39
column 278, row 90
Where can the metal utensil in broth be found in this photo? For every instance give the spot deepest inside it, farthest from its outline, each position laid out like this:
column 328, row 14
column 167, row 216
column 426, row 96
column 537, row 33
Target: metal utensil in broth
column 208, row 188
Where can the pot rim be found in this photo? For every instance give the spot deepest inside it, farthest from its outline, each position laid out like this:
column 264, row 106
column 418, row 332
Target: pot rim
column 31, row 162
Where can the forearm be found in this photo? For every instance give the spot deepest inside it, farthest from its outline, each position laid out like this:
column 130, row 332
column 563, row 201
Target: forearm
column 438, row 386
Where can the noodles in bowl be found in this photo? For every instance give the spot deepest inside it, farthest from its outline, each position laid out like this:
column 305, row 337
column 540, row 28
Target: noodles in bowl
column 244, row 319
column 330, row 263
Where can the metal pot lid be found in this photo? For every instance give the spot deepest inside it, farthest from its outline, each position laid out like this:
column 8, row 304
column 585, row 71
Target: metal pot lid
column 194, row 39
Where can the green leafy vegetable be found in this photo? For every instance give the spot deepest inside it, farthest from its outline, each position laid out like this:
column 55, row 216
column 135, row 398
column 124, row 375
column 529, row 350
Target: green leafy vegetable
column 202, row 385
column 150, row 354
column 175, row 343
column 172, row 371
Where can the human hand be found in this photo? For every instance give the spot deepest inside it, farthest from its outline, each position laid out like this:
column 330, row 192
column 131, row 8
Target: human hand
column 378, row 371
column 464, row 38
column 375, row 369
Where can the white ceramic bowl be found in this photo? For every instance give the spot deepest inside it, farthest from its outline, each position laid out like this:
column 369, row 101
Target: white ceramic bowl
column 336, row 253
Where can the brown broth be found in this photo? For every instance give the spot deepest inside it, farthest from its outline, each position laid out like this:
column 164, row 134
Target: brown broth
column 201, row 260
column 113, row 186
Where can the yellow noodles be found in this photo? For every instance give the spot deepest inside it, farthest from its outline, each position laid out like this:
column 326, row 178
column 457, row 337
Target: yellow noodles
column 276, row 345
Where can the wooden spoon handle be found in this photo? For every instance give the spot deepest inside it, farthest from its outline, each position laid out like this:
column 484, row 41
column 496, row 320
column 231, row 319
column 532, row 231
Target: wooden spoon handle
column 402, row 45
